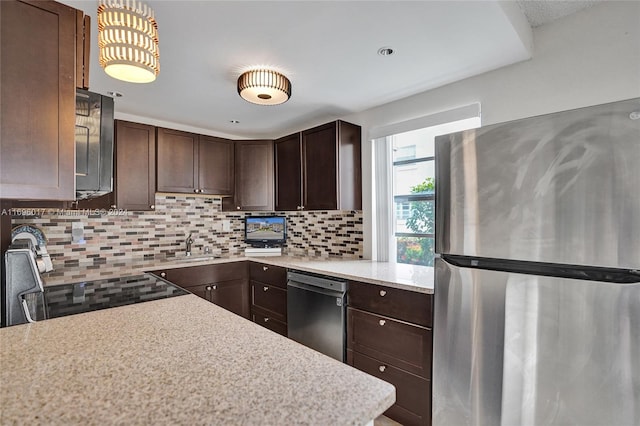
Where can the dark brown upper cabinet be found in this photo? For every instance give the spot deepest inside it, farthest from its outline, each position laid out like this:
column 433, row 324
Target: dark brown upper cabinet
column 191, row 163
column 288, row 172
column 320, row 169
column 135, row 166
column 37, row 110
column 215, row 166
column 253, row 177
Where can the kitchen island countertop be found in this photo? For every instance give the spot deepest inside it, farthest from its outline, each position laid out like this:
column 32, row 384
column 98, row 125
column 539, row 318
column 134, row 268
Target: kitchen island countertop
column 398, row 275
column 175, row 361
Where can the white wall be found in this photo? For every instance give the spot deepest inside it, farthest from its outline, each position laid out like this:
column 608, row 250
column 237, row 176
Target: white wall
column 588, row 58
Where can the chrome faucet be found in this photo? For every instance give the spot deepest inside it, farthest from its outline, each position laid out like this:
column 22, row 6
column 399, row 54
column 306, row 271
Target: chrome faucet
column 188, row 243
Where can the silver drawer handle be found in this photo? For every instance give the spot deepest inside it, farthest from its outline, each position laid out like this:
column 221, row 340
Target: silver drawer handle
column 208, row 288
column 265, row 268
column 265, row 288
column 382, row 293
column 382, row 368
column 266, row 320
column 381, row 322
column 163, row 274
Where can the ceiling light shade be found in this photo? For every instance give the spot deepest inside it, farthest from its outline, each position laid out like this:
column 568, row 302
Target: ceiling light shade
column 264, row 87
column 128, row 40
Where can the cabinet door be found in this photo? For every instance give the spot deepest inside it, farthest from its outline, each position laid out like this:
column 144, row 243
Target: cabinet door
column 254, row 175
column 215, row 166
column 37, row 111
column 232, row 296
column 320, row 171
column 288, row 164
column 135, row 168
column 177, row 161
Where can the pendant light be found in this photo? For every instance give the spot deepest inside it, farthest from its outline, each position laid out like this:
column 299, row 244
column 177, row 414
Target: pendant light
column 128, row 40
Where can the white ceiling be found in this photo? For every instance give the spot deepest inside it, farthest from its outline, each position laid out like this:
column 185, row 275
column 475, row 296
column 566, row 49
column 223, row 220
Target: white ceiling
column 328, row 49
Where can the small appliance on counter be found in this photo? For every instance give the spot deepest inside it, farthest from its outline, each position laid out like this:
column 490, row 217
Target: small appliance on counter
column 23, row 294
column 39, row 243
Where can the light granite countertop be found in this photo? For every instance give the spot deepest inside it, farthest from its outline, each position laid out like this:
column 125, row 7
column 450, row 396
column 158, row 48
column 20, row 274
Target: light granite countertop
column 398, row 275
column 175, row 361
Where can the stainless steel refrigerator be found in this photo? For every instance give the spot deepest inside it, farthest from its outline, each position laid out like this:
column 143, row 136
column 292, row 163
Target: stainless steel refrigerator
column 537, row 288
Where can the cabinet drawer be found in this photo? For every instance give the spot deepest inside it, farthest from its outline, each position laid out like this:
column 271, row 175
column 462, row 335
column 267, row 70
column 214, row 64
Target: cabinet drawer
column 398, row 343
column 269, row 322
column 413, row 393
column 405, row 305
column 270, row 298
column 268, row 274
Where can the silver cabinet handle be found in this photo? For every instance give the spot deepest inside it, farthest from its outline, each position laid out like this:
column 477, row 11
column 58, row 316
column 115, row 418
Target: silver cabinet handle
column 163, row 274
column 266, row 320
column 208, row 288
column 382, row 293
column 152, row 206
column 215, row 287
column 265, row 268
column 238, row 207
column 113, row 206
column 381, row 322
column 195, row 190
column 265, row 288
column 382, row 368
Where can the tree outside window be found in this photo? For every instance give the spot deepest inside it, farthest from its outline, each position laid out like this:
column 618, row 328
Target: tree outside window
column 413, row 196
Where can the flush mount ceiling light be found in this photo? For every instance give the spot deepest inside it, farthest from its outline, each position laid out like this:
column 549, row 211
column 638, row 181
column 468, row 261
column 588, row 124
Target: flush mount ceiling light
column 264, row 87
column 128, row 40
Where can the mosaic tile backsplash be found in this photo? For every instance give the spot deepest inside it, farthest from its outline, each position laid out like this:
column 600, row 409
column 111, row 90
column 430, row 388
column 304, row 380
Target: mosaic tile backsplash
column 162, row 233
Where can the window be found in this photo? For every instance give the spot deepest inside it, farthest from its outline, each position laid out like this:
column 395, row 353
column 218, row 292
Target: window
column 414, row 196
column 404, row 185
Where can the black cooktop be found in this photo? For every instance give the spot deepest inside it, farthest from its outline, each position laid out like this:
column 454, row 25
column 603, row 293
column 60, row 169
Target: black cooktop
column 76, row 298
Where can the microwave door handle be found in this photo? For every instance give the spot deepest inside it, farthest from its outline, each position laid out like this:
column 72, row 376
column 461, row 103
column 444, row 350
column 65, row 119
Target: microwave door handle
column 25, row 309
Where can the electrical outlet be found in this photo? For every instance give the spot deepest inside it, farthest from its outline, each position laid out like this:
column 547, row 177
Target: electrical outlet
column 226, row 226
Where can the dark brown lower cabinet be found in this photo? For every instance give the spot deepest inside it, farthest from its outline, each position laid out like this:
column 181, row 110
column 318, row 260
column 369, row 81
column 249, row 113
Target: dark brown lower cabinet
column 231, row 295
column 269, row 296
column 383, row 340
column 413, row 394
column 225, row 284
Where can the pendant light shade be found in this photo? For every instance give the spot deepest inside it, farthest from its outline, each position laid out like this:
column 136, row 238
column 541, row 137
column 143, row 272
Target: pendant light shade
column 264, row 87
column 128, row 40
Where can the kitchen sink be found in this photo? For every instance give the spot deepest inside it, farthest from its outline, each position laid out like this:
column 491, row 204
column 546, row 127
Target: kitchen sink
column 197, row 258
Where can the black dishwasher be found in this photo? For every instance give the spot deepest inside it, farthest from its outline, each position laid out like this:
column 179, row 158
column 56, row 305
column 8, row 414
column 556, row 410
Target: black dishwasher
column 316, row 313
